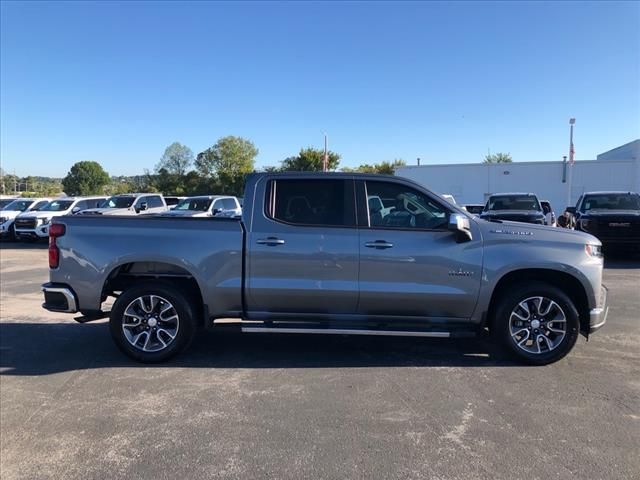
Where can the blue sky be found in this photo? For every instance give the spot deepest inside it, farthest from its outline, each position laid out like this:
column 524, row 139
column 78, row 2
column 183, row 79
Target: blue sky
column 118, row 82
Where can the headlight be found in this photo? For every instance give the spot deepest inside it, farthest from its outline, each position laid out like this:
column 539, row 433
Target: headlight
column 585, row 224
column 45, row 220
column 593, row 250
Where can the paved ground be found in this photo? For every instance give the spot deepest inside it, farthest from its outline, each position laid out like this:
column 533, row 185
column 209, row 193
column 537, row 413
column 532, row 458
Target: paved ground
column 298, row 407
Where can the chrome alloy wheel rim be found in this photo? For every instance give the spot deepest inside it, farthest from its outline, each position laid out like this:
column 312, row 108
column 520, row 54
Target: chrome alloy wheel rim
column 537, row 325
column 150, row 323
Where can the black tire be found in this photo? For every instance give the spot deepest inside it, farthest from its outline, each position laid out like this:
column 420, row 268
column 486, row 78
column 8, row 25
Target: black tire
column 12, row 237
column 186, row 323
column 502, row 330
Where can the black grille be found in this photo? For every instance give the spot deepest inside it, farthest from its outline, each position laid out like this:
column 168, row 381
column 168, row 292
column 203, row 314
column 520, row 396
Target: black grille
column 26, row 222
column 612, row 228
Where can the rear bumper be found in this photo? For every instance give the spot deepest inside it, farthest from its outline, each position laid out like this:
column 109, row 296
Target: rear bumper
column 598, row 315
column 59, row 297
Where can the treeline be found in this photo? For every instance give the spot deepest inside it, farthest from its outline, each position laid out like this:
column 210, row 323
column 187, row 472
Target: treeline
column 220, row 169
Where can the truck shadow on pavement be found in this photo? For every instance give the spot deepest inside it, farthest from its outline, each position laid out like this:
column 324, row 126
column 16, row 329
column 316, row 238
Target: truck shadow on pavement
column 47, row 348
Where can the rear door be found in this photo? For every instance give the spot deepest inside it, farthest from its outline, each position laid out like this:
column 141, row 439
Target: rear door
column 303, row 248
column 410, row 263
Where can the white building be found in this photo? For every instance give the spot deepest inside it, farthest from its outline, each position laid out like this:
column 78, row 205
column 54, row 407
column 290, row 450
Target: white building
column 617, row 169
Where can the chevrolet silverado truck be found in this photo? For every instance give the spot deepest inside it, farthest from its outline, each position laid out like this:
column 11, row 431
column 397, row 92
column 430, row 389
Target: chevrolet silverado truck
column 515, row 207
column 308, row 256
column 613, row 217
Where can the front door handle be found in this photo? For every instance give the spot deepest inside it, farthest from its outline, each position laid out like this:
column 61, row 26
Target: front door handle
column 271, row 241
column 379, row 244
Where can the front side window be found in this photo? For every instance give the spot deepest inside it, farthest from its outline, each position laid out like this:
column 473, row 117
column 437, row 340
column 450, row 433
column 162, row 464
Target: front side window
column 393, row 205
column 312, row 202
column 613, row 201
column 154, row 202
column 228, row 204
column 57, row 206
column 118, row 202
column 194, row 204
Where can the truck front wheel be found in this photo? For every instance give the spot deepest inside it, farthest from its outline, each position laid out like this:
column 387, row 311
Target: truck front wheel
column 152, row 321
column 537, row 322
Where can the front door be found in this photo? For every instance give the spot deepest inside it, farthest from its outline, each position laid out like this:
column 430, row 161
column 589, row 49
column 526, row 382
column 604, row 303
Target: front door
column 410, row 263
column 303, row 248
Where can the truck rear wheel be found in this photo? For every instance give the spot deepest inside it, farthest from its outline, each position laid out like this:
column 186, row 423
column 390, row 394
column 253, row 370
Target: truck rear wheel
column 537, row 322
column 151, row 322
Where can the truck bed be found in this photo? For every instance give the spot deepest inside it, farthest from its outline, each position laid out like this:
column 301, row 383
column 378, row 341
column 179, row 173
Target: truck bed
column 207, row 250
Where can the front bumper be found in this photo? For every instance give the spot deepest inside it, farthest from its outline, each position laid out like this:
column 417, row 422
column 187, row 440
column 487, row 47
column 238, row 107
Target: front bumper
column 59, row 297
column 598, row 315
column 35, row 233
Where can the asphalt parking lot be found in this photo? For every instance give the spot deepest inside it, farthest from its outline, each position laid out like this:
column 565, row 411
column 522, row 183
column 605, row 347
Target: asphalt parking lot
column 292, row 407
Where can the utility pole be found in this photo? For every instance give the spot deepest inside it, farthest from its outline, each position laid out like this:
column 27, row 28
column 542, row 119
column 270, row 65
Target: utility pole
column 572, row 152
column 325, row 159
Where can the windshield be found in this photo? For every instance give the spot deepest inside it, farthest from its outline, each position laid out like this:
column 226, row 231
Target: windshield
column 19, row 205
column 117, row 202
column 513, row 202
column 57, row 206
column 194, row 204
column 6, row 201
column 611, row 201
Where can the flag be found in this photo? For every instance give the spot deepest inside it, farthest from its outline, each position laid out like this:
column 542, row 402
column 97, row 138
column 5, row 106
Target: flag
column 571, row 154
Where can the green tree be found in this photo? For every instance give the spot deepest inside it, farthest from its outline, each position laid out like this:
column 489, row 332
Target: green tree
column 498, row 158
column 176, row 160
column 310, row 160
column 386, row 168
column 228, row 162
column 85, row 178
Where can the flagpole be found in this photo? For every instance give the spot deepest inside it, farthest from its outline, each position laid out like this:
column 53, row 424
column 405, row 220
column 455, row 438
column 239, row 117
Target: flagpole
column 572, row 121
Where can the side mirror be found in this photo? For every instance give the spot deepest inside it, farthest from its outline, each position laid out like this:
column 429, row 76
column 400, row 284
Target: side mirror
column 571, row 210
column 459, row 224
column 143, row 206
column 75, row 210
column 216, row 211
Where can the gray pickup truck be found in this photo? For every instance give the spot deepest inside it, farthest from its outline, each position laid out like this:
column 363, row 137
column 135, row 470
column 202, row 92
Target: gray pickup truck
column 310, row 256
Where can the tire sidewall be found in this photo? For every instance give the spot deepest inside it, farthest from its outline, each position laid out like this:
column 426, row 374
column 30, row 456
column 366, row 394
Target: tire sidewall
column 513, row 298
column 184, row 310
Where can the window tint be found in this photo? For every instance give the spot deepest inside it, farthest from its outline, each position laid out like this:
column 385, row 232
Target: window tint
column 154, row 201
column 39, row 205
column 393, row 205
column 228, row 204
column 312, row 202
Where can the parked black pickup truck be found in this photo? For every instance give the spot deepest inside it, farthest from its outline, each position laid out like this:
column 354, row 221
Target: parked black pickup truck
column 514, row 207
column 613, row 217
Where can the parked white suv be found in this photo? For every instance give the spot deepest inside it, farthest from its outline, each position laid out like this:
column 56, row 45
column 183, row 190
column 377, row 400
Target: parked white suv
column 130, row 204
column 207, row 206
column 15, row 208
column 35, row 225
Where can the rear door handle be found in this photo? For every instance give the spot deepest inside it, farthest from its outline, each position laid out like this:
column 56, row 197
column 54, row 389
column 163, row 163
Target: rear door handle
column 271, row 241
column 379, row 244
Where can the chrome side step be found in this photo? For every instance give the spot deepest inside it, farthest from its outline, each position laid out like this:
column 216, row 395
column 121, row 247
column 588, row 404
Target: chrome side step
column 344, row 331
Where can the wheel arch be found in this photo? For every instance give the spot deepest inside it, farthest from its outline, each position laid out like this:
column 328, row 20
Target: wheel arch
column 564, row 281
column 129, row 273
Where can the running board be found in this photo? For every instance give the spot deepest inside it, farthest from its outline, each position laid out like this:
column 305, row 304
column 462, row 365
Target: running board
column 345, row 331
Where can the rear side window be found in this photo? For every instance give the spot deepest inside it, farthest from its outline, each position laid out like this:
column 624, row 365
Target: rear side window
column 312, row 202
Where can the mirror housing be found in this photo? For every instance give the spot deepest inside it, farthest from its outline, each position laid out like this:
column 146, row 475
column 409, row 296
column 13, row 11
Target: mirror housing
column 75, row 210
column 460, row 225
column 216, row 211
column 143, row 206
column 571, row 210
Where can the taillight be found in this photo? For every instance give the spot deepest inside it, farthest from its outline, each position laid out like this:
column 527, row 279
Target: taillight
column 56, row 230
